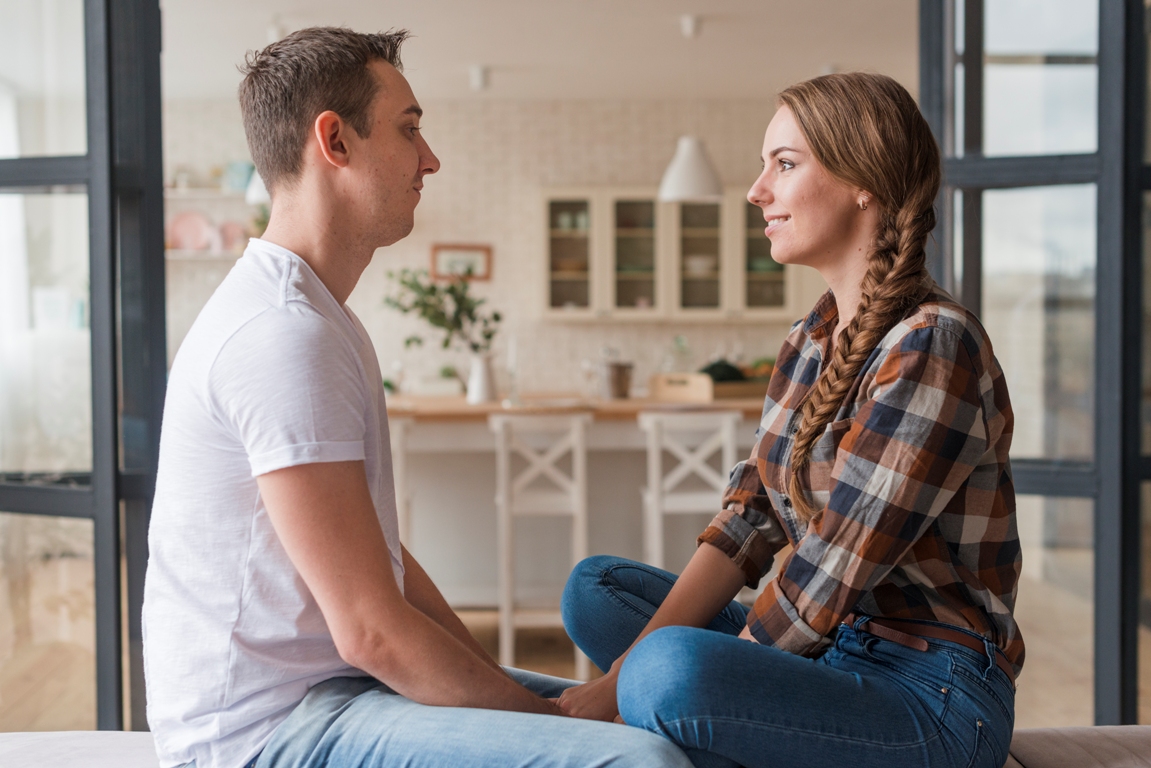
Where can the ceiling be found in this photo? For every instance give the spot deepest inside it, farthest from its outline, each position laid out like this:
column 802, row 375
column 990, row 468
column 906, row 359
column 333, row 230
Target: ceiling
column 564, row 49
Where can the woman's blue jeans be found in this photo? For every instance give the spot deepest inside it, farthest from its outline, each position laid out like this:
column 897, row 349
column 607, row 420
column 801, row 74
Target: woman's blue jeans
column 866, row 702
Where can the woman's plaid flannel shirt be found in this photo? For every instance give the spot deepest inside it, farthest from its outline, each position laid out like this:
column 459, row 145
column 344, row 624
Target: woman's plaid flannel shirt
column 912, row 476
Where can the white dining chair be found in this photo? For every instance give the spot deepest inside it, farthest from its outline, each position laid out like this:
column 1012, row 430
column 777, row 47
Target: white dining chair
column 399, row 429
column 693, row 439
column 541, row 442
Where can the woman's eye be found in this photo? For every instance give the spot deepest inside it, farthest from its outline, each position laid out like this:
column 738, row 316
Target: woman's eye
column 786, row 164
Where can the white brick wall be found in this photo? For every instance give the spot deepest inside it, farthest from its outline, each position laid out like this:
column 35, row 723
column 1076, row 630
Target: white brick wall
column 497, row 157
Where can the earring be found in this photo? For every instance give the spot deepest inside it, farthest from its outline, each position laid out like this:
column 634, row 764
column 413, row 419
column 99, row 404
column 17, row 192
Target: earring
column 863, row 204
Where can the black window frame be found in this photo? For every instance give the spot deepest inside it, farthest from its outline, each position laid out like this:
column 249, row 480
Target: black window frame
column 123, row 177
column 1112, row 479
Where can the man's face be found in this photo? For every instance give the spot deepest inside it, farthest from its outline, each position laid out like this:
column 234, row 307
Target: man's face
column 390, row 164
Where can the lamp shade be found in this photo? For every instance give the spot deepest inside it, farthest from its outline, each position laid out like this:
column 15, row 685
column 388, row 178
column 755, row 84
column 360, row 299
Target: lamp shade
column 690, row 176
column 257, row 193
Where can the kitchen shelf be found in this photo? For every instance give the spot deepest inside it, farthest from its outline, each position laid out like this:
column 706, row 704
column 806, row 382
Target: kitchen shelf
column 636, row 250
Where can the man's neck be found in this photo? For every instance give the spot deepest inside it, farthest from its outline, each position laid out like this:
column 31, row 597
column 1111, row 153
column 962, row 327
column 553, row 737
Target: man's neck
column 314, row 230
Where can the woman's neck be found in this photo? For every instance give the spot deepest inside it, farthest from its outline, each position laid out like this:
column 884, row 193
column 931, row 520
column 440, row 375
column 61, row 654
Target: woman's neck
column 844, row 276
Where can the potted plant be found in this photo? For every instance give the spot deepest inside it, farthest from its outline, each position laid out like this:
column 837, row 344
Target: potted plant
column 451, row 308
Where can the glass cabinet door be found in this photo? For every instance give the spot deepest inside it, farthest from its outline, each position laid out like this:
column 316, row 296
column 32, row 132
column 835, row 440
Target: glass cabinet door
column 635, row 258
column 764, row 275
column 699, row 255
column 569, row 225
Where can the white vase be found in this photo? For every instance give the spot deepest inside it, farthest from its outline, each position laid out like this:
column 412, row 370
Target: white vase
column 481, row 386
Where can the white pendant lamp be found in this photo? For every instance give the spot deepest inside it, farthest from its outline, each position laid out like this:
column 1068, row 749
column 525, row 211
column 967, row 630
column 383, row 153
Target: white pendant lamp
column 690, row 176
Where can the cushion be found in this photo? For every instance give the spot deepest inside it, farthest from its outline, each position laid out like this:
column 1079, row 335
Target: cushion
column 1109, row 746
column 78, row 749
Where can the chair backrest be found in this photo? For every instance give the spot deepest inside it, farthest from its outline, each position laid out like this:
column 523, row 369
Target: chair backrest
column 556, row 437
column 693, row 438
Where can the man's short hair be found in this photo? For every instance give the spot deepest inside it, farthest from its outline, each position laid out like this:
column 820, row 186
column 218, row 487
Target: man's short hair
column 289, row 83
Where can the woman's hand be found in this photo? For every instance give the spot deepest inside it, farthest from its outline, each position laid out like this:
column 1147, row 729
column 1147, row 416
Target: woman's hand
column 592, row 701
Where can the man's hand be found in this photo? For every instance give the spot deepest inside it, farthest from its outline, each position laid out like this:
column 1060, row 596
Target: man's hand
column 593, row 701
column 324, row 517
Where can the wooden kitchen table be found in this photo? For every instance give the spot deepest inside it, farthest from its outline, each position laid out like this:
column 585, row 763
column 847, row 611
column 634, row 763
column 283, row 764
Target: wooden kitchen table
column 423, row 426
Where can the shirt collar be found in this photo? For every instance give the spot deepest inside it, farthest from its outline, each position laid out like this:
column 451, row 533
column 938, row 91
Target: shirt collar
column 823, row 317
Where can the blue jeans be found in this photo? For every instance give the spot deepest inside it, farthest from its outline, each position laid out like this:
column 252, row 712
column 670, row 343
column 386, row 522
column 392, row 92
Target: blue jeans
column 357, row 722
column 866, row 701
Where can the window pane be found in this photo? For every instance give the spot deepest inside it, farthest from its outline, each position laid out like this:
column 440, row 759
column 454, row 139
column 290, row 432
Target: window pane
column 1039, row 308
column 47, row 624
column 1040, row 77
column 45, row 376
column 42, row 94
column 1144, row 664
column 1055, row 609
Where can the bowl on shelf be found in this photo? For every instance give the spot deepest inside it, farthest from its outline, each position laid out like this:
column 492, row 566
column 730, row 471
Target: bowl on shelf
column 700, row 265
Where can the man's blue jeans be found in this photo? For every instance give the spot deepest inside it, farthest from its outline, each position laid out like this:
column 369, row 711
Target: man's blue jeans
column 866, row 702
column 358, row 722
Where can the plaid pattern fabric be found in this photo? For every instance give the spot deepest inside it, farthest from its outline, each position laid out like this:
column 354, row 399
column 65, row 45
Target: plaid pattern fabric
column 912, row 475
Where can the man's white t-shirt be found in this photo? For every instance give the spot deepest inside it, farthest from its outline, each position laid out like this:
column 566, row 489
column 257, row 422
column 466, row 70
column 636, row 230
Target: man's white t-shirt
column 274, row 373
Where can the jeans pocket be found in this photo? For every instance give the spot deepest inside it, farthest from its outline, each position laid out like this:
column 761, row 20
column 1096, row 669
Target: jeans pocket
column 924, row 674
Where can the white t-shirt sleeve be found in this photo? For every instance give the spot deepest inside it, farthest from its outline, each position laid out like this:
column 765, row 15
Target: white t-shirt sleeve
column 290, row 387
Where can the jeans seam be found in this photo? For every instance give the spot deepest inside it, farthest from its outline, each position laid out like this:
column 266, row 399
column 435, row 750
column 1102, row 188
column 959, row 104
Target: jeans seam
column 791, row 729
column 1007, row 715
column 617, row 592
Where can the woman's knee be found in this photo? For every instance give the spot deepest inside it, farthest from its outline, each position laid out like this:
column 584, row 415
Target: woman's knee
column 582, row 591
column 662, row 675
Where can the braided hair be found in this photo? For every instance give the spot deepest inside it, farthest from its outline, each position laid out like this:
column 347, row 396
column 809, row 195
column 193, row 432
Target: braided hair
column 866, row 131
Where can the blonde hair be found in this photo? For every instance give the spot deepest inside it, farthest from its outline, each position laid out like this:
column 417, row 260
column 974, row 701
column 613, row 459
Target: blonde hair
column 867, row 131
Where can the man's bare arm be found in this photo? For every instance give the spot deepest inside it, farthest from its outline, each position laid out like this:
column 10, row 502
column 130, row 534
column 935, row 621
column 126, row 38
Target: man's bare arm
column 323, row 515
column 422, row 593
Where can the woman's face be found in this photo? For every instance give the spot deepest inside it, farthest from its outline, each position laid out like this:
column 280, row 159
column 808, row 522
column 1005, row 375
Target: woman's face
column 812, row 218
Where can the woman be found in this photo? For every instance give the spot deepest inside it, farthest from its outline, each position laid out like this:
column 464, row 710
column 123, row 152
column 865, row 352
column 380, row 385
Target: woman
column 887, row 637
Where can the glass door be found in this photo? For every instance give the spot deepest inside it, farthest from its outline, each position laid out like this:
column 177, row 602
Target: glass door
column 1027, row 99
column 635, row 255
column 765, row 287
column 81, row 351
column 699, row 256
column 569, row 254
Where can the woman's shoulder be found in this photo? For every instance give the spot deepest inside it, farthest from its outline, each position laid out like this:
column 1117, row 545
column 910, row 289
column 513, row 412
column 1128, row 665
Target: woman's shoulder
column 944, row 323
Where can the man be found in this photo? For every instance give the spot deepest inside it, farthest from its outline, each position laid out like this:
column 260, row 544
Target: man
column 284, row 623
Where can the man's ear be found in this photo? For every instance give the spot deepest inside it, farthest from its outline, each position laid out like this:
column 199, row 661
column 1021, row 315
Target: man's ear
column 331, row 135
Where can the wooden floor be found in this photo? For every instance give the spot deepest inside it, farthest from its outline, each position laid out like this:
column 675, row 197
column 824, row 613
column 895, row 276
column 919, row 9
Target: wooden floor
column 47, row 670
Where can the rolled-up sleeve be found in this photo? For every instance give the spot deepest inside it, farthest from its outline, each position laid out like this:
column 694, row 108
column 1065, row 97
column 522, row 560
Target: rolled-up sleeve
column 746, row 529
column 911, row 447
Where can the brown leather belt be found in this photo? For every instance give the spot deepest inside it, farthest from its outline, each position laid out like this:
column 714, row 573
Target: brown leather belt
column 911, row 635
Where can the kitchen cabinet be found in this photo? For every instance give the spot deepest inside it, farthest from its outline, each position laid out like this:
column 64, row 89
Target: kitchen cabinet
column 618, row 253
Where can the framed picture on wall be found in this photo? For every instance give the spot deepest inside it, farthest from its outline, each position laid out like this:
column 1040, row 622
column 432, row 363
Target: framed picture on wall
column 450, row 261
